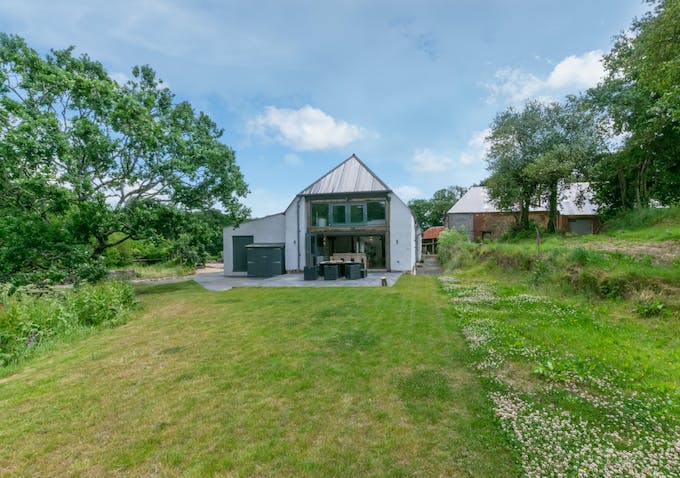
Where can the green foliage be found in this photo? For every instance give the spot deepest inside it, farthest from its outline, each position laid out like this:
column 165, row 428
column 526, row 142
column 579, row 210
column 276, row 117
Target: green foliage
column 88, row 164
column 532, row 150
column 431, row 212
column 640, row 113
column 652, row 308
column 32, row 317
column 592, row 266
column 454, row 248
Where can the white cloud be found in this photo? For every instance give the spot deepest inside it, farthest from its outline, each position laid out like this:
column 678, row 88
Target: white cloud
column 477, row 148
column 425, row 160
column 408, row 192
column 515, row 85
column 293, row 160
column 305, row 129
column 572, row 73
column 580, row 72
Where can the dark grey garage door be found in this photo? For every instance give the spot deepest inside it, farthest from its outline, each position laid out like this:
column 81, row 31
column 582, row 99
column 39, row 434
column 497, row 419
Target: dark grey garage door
column 239, row 244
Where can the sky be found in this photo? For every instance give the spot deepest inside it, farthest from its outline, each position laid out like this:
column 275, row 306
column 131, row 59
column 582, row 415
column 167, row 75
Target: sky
column 299, row 86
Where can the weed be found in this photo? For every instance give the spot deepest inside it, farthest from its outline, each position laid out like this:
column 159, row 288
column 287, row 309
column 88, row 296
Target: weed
column 29, row 320
column 650, row 309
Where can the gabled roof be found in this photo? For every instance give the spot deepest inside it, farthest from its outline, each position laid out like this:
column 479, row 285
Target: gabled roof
column 350, row 176
column 433, row 232
column 575, row 199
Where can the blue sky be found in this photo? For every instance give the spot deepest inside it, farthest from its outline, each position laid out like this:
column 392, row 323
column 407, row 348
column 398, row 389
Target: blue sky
column 298, row 86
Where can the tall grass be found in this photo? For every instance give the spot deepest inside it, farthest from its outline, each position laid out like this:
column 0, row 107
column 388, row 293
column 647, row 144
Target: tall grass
column 648, row 223
column 28, row 320
column 569, row 263
column 165, row 269
column 646, row 217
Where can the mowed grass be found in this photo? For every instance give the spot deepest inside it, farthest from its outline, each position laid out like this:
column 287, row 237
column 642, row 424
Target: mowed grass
column 259, row 382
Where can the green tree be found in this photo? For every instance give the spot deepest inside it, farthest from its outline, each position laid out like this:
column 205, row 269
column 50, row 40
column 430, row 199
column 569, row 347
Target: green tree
column 431, row 212
column 639, row 107
column 93, row 159
column 534, row 150
column 515, row 141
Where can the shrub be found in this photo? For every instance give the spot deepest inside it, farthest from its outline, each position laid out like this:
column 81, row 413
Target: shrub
column 579, row 256
column 650, row 308
column 28, row 320
column 455, row 249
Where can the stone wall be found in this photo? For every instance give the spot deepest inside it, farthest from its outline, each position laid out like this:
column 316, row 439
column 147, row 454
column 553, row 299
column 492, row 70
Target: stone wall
column 493, row 225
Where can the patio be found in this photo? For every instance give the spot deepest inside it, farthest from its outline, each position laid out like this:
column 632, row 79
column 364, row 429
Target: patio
column 216, row 281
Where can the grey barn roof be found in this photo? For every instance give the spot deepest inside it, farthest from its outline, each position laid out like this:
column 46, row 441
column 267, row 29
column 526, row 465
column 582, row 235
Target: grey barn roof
column 350, row 176
column 575, row 199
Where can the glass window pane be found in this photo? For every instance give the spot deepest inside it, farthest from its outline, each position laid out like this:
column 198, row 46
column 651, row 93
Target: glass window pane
column 376, row 212
column 339, row 214
column 320, row 215
column 356, row 213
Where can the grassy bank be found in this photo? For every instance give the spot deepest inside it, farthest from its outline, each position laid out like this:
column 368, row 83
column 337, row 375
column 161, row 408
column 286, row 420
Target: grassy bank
column 267, row 382
column 579, row 345
column 33, row 318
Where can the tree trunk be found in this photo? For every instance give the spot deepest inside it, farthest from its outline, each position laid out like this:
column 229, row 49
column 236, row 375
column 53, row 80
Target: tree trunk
column 102, row 245
column 524, row 213
column 641, row 193
column 623, row 190
column 552, row 218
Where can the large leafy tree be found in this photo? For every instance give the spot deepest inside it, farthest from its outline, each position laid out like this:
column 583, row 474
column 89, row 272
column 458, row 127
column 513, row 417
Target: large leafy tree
column 431, row 212
column 517, row 139
column 87, row 157
column 639, row 105
column 535, row 149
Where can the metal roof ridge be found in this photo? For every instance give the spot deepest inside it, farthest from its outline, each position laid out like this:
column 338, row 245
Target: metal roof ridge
column 341, row 165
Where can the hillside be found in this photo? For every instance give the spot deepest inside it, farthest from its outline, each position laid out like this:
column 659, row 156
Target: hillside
column 579, row 342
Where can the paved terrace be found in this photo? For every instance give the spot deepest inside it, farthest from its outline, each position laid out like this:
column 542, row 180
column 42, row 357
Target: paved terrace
column 216, row 281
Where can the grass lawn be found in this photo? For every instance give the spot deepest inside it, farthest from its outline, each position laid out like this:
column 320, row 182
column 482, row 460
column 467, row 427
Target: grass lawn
column 157, row 271
column 583, row 386
column 259, row 382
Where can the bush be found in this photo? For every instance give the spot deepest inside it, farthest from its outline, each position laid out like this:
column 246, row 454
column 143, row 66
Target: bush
column 455, row 249
column 31, row 317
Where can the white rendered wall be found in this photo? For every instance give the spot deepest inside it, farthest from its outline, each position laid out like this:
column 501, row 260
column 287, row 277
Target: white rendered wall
column 263, row 230
column 402, row 236
column 296, row 231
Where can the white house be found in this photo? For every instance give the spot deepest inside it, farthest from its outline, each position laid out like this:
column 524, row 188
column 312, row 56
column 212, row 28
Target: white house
column 348, row 210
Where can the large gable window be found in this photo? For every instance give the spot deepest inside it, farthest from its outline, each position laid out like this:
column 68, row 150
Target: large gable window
column 344, row 214
column 375, row 212
column 320, row 214
column 356, row 213
column 339, row 214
